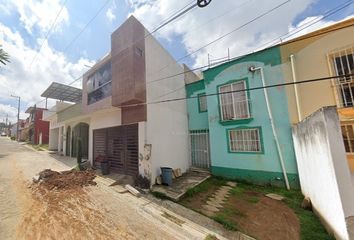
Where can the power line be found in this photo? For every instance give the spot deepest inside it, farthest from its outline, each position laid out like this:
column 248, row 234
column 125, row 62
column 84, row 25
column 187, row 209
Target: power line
column 311, row 23
column 49, row 32
column 170, row 19
column 240, row 56
column 243, row 90
column 231, row 32
column 236, row 29
column 86, row 26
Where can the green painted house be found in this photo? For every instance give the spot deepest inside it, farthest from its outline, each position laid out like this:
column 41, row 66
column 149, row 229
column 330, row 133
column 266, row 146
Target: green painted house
column 240, row 132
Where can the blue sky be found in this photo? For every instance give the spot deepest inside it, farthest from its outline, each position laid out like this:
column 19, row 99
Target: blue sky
column 23, row 25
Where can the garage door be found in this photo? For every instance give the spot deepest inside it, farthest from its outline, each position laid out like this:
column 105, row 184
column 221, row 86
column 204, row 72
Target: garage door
column 120, row 146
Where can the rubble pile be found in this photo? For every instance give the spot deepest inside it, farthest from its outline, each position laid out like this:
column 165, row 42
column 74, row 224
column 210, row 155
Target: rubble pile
column 65, row 180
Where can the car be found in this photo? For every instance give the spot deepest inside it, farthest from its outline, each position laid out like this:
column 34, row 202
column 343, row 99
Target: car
column 3, row 134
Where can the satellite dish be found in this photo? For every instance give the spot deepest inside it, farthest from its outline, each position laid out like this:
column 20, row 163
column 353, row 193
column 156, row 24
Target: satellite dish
column 203, row 3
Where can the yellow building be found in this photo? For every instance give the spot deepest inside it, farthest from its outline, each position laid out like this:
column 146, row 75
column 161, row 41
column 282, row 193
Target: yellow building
column 326, row 52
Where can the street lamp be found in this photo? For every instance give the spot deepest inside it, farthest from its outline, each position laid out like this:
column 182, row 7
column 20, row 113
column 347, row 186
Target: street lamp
column 18, row 115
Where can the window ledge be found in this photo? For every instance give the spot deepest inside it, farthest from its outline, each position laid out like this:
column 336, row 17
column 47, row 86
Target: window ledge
column 235, row 122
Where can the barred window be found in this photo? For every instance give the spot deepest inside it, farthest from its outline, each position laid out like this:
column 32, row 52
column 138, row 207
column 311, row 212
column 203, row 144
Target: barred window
column 202, row 101
column 245, row 140
column 234, row 105
column 348, row 138
column 343, row 62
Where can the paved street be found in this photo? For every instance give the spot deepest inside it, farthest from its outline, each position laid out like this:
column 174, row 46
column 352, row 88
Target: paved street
column 98, row 212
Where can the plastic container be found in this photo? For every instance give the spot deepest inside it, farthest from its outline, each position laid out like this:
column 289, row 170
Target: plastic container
column 166, row 173
column 105, row 168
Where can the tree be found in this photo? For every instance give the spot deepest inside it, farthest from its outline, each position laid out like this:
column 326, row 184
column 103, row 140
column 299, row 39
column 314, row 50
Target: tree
column 4, row 56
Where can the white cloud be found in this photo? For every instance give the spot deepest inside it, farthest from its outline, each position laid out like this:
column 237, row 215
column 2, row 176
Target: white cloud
column 203, row 25
column 10, row 112
column 29, row 81
column 110, row 12
column 39, row 14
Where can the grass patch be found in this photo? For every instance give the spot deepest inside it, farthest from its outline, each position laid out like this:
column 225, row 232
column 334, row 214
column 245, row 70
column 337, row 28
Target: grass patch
column 160, row 195
column 39, row 147
column 237, row 191
column 310, row 226
column 252, row 199
column 210, row 237
column 223, row 220
column 204, row 186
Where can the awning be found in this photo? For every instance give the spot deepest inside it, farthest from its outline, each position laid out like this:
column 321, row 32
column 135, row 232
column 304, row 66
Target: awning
column 63, row 92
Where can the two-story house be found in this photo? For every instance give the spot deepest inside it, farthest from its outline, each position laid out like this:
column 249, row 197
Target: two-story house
column 115, row 115
column 38, row 129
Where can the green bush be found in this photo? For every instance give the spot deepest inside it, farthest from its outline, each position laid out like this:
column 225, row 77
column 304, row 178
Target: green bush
column 79, row 154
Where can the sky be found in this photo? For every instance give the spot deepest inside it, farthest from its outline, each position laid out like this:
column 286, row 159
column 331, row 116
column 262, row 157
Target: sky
column 57, row 40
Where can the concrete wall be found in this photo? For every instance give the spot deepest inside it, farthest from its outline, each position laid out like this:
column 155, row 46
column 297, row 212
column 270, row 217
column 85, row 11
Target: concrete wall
column 167, row 123
column 264, row 167
column 70, row 112
column 323, row 170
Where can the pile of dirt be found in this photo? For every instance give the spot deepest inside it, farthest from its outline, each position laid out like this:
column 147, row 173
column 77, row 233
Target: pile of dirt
column 65, row 180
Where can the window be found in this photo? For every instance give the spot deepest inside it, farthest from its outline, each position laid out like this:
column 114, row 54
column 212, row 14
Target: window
column 348, row 138
column 202, row 102
column 245, row 140
column 343, row 62
column 99, row 84
column 234, row 106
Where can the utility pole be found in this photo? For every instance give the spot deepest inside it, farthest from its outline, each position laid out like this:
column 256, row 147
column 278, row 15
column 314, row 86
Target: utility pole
column 18, row 116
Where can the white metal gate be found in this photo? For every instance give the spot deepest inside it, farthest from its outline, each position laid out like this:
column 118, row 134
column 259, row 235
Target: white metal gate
column 200, row 148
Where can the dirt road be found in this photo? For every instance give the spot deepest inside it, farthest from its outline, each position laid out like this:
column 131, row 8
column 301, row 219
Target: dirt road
column 94, row 212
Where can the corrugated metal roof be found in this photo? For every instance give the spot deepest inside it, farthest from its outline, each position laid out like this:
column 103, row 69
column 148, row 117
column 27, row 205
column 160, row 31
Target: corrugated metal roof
column 63, row 92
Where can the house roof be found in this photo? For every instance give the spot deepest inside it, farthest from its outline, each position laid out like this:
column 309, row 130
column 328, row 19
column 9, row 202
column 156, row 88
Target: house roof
column 346, row 23
column 63, row 92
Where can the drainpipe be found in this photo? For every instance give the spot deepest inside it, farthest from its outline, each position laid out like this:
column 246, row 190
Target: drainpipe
column 254, row 69
column 293, row 71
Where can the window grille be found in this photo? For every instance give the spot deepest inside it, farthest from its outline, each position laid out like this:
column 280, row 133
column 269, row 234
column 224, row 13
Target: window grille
column 244, row 140
column 343, row 64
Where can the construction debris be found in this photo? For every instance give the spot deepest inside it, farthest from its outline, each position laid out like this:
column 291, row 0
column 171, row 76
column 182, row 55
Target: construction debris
column 275, row 196
column 66, row 179
column 132, row 190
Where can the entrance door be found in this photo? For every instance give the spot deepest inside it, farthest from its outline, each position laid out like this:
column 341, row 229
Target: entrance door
column 200, row 149
column 120, row 146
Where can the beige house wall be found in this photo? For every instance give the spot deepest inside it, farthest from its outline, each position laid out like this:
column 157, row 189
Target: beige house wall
column 311, row 62
column 312, row 59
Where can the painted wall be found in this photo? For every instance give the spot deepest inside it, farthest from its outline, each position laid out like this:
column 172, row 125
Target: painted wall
column 197, row 120
column 311, row 62
column 263, row 168
column 70, row 112
column 324, row 174
column 167, row 123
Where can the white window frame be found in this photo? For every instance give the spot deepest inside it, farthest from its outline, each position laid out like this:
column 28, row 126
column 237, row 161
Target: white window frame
column 234, row 102
column 247, row 134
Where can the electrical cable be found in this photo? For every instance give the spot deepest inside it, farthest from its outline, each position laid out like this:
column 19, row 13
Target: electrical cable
column 240, row 56
column 309, row 24
column 242, row 90
column 48, row 33
column 228, row 33
column 170, row 19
